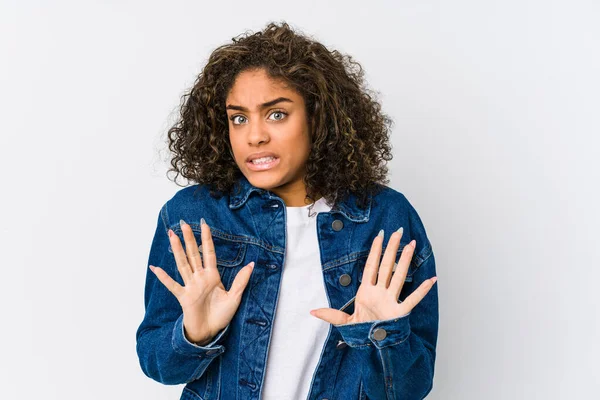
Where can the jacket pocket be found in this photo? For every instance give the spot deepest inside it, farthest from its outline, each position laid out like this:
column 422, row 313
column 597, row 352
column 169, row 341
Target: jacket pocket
column 363, row 255
column 230, row 255
column 360, row 260
column 229, row 250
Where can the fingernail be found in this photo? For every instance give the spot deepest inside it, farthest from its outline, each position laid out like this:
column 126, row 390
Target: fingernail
column 434, row 279
column 380, row 233
column 151, row 267
column 182, row 222
column 170, row 233
column 400, row 230
column 413, row 243
column 202, row 221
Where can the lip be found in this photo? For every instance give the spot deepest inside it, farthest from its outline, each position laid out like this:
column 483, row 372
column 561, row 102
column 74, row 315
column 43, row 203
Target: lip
column 262, row 167
column 261, row 155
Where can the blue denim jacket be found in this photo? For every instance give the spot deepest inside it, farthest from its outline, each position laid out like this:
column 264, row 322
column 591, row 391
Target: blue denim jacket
column 250, row 225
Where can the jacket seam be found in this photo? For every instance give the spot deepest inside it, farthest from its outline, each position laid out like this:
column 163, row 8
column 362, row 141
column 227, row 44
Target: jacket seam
column 193, row 392
column 395, row 343
column 426, row 249
column 389, row 387
column 197, row 373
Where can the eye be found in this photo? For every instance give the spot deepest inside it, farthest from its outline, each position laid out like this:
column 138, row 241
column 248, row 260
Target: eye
column 280, row 113
column 234, row 117
column 276, row 112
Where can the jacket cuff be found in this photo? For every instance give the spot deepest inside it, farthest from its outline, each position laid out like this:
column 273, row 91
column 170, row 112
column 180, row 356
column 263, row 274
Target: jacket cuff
column 378, row 333
column 183, row 346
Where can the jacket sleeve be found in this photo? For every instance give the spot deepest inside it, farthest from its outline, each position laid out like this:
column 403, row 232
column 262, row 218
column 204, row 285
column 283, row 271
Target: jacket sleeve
column 164, row 353
column 399, row 354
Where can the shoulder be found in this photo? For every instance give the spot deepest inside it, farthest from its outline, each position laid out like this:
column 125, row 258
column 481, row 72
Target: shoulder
column 392, row 199
column 185, row 195
column 188, row 198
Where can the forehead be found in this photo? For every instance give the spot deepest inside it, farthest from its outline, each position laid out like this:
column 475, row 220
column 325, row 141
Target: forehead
column 256, row 86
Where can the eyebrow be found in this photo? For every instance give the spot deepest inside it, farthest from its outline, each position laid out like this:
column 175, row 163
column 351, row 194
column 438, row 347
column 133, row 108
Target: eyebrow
column 262, row 106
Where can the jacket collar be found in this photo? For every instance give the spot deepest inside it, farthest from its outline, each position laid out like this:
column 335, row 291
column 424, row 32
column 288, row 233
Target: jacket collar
column 243, row 188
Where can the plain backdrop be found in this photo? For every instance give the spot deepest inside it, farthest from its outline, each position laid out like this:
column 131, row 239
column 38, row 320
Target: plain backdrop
column 495, row 140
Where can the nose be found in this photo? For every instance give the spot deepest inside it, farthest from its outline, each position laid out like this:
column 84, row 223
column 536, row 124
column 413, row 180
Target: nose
column 257, row 134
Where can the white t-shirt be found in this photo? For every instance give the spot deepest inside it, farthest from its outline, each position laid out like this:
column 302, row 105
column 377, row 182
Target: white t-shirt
column 298, row 337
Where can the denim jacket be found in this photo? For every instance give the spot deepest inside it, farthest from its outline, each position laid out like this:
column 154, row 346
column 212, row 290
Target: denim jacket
column 380, row 359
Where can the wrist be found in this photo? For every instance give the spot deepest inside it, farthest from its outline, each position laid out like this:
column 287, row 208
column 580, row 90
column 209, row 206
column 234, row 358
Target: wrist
column 198, row 339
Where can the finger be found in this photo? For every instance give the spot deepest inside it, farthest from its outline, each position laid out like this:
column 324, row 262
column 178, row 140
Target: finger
column 372, row 263
column 389, row 258
column 169, row 282
column 402, row 268
column 241, row 280
column 331, row 315
column 209, row 258
column 180, row 258
column 416, row 296
column 191, row 247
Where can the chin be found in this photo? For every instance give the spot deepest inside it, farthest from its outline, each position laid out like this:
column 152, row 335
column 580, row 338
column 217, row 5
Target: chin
column 264, row 181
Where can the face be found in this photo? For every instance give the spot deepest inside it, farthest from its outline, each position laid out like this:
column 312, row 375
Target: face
column 265, row 116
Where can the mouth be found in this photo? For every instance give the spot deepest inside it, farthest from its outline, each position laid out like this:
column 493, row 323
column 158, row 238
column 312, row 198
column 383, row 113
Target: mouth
column 262, row 164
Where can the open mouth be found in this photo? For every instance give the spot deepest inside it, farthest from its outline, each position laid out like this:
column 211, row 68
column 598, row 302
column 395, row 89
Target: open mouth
column 262, row 164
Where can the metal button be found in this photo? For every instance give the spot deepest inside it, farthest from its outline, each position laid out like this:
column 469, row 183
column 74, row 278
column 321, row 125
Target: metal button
column 270, row 204
column 341, row 344
column 272, row 266
column 211, row 352
column 379, row 334
column 345, row 279
column 337, row 225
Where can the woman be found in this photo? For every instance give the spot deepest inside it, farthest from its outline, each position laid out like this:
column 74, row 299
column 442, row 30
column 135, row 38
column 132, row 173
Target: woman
column 268, row 279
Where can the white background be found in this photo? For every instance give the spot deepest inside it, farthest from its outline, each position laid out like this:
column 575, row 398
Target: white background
column 495, row 141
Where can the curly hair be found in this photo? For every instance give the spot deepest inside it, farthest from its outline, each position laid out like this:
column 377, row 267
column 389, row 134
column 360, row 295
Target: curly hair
column 349, row 132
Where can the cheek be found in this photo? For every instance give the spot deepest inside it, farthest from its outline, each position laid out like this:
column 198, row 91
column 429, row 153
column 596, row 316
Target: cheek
column 234, row 147
column 301, row 137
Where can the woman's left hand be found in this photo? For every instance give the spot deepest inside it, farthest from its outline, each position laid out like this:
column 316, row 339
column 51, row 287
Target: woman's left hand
column 377, row 296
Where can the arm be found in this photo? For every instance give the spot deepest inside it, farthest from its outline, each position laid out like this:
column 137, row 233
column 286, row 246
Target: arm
column 165, row 354
column 400, row 350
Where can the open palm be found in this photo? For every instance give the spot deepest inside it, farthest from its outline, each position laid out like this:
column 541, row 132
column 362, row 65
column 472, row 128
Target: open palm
column 377, row 296
column 207, row 306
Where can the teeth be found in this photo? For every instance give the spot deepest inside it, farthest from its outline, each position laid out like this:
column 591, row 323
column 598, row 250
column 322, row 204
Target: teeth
column 262, row 160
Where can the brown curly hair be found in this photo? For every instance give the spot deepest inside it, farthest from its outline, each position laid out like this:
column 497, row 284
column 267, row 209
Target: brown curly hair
column 350, row 134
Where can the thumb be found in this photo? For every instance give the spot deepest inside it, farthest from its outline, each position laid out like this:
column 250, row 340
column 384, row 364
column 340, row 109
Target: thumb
column 331, row 315
column 241, row 279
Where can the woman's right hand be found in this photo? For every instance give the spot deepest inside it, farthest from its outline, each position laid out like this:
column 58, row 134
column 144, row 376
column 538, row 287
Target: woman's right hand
column 207, row 306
